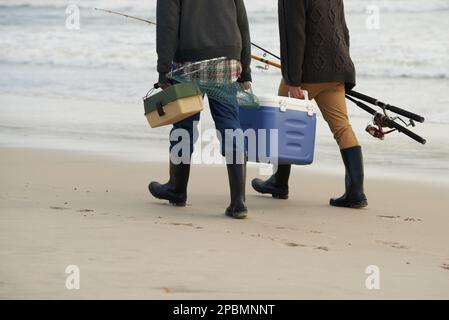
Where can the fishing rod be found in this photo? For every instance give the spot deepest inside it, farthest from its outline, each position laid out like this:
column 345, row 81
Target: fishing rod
column 266, row 51
column 126, row 16
column 382, row 120
column 386, row 106
column 268, row 62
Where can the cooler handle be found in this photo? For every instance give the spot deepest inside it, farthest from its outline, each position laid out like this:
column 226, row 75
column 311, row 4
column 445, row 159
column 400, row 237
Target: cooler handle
column 310, row 109
column 306, row 94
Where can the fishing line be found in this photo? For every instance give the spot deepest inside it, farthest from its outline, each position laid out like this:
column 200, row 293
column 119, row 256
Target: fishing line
column 154, row 23
column 266, row 51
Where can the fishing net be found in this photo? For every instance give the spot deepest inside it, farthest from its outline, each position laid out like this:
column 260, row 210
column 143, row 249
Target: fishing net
column 217, row 79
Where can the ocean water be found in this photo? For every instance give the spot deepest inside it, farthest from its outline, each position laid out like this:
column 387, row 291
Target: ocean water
column 82, row 89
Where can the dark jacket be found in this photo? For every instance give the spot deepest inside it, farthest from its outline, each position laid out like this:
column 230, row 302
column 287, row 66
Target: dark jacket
column 195, row 30
column 315, row 42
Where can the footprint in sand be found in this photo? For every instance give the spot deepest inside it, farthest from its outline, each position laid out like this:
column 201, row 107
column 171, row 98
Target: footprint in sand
column 408, row 219
column 413, row 219
column 294, row 244
column 392, row 244
column 59, row 208
column 389, row 217
column 178, row 290
column 445, row 266
column 191, row 225
column 286, row 228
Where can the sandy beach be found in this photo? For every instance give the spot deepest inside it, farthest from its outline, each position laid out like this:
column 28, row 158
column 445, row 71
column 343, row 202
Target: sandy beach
column 77, row 154
column 60, row 208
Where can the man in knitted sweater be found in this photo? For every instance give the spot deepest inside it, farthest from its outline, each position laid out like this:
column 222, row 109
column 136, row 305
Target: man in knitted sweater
column 315, row 57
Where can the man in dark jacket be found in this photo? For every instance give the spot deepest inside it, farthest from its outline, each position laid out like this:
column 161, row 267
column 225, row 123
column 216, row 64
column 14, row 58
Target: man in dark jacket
column 315, row 57
column 197, row 31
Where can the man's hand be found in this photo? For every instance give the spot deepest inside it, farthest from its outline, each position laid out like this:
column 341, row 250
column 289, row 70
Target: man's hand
column 164, row 85
column 296, row 92
column 247, row 85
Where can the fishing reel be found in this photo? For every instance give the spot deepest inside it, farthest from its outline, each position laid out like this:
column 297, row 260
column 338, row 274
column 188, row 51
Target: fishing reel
column 381, row 121
column 376, row 132
column 264, row 60
column 264, row 67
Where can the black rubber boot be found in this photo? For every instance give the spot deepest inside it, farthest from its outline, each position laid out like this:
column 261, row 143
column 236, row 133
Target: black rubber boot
column 175, row 190
column 277, row 185
column 354, row 196
column 237, row 178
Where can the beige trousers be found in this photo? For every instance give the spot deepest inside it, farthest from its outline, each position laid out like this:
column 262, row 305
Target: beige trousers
column 330, row 97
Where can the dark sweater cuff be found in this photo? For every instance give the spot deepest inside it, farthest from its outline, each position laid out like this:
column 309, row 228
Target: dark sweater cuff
column 245, row 76
column 163, row 78
column 292, row 83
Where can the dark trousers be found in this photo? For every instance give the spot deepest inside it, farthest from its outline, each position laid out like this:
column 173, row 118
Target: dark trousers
column 226, row 117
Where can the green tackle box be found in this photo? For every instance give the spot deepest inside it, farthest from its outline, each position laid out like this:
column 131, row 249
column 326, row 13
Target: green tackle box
column 173, row 104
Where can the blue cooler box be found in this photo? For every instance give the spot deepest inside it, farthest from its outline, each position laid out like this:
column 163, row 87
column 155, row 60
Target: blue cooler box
column 294, row 121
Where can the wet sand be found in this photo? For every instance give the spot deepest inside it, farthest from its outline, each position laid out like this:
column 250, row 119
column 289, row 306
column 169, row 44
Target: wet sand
column 59, row 209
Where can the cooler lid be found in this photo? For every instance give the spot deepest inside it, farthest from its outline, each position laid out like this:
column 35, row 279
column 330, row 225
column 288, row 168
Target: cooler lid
column 286, row 103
